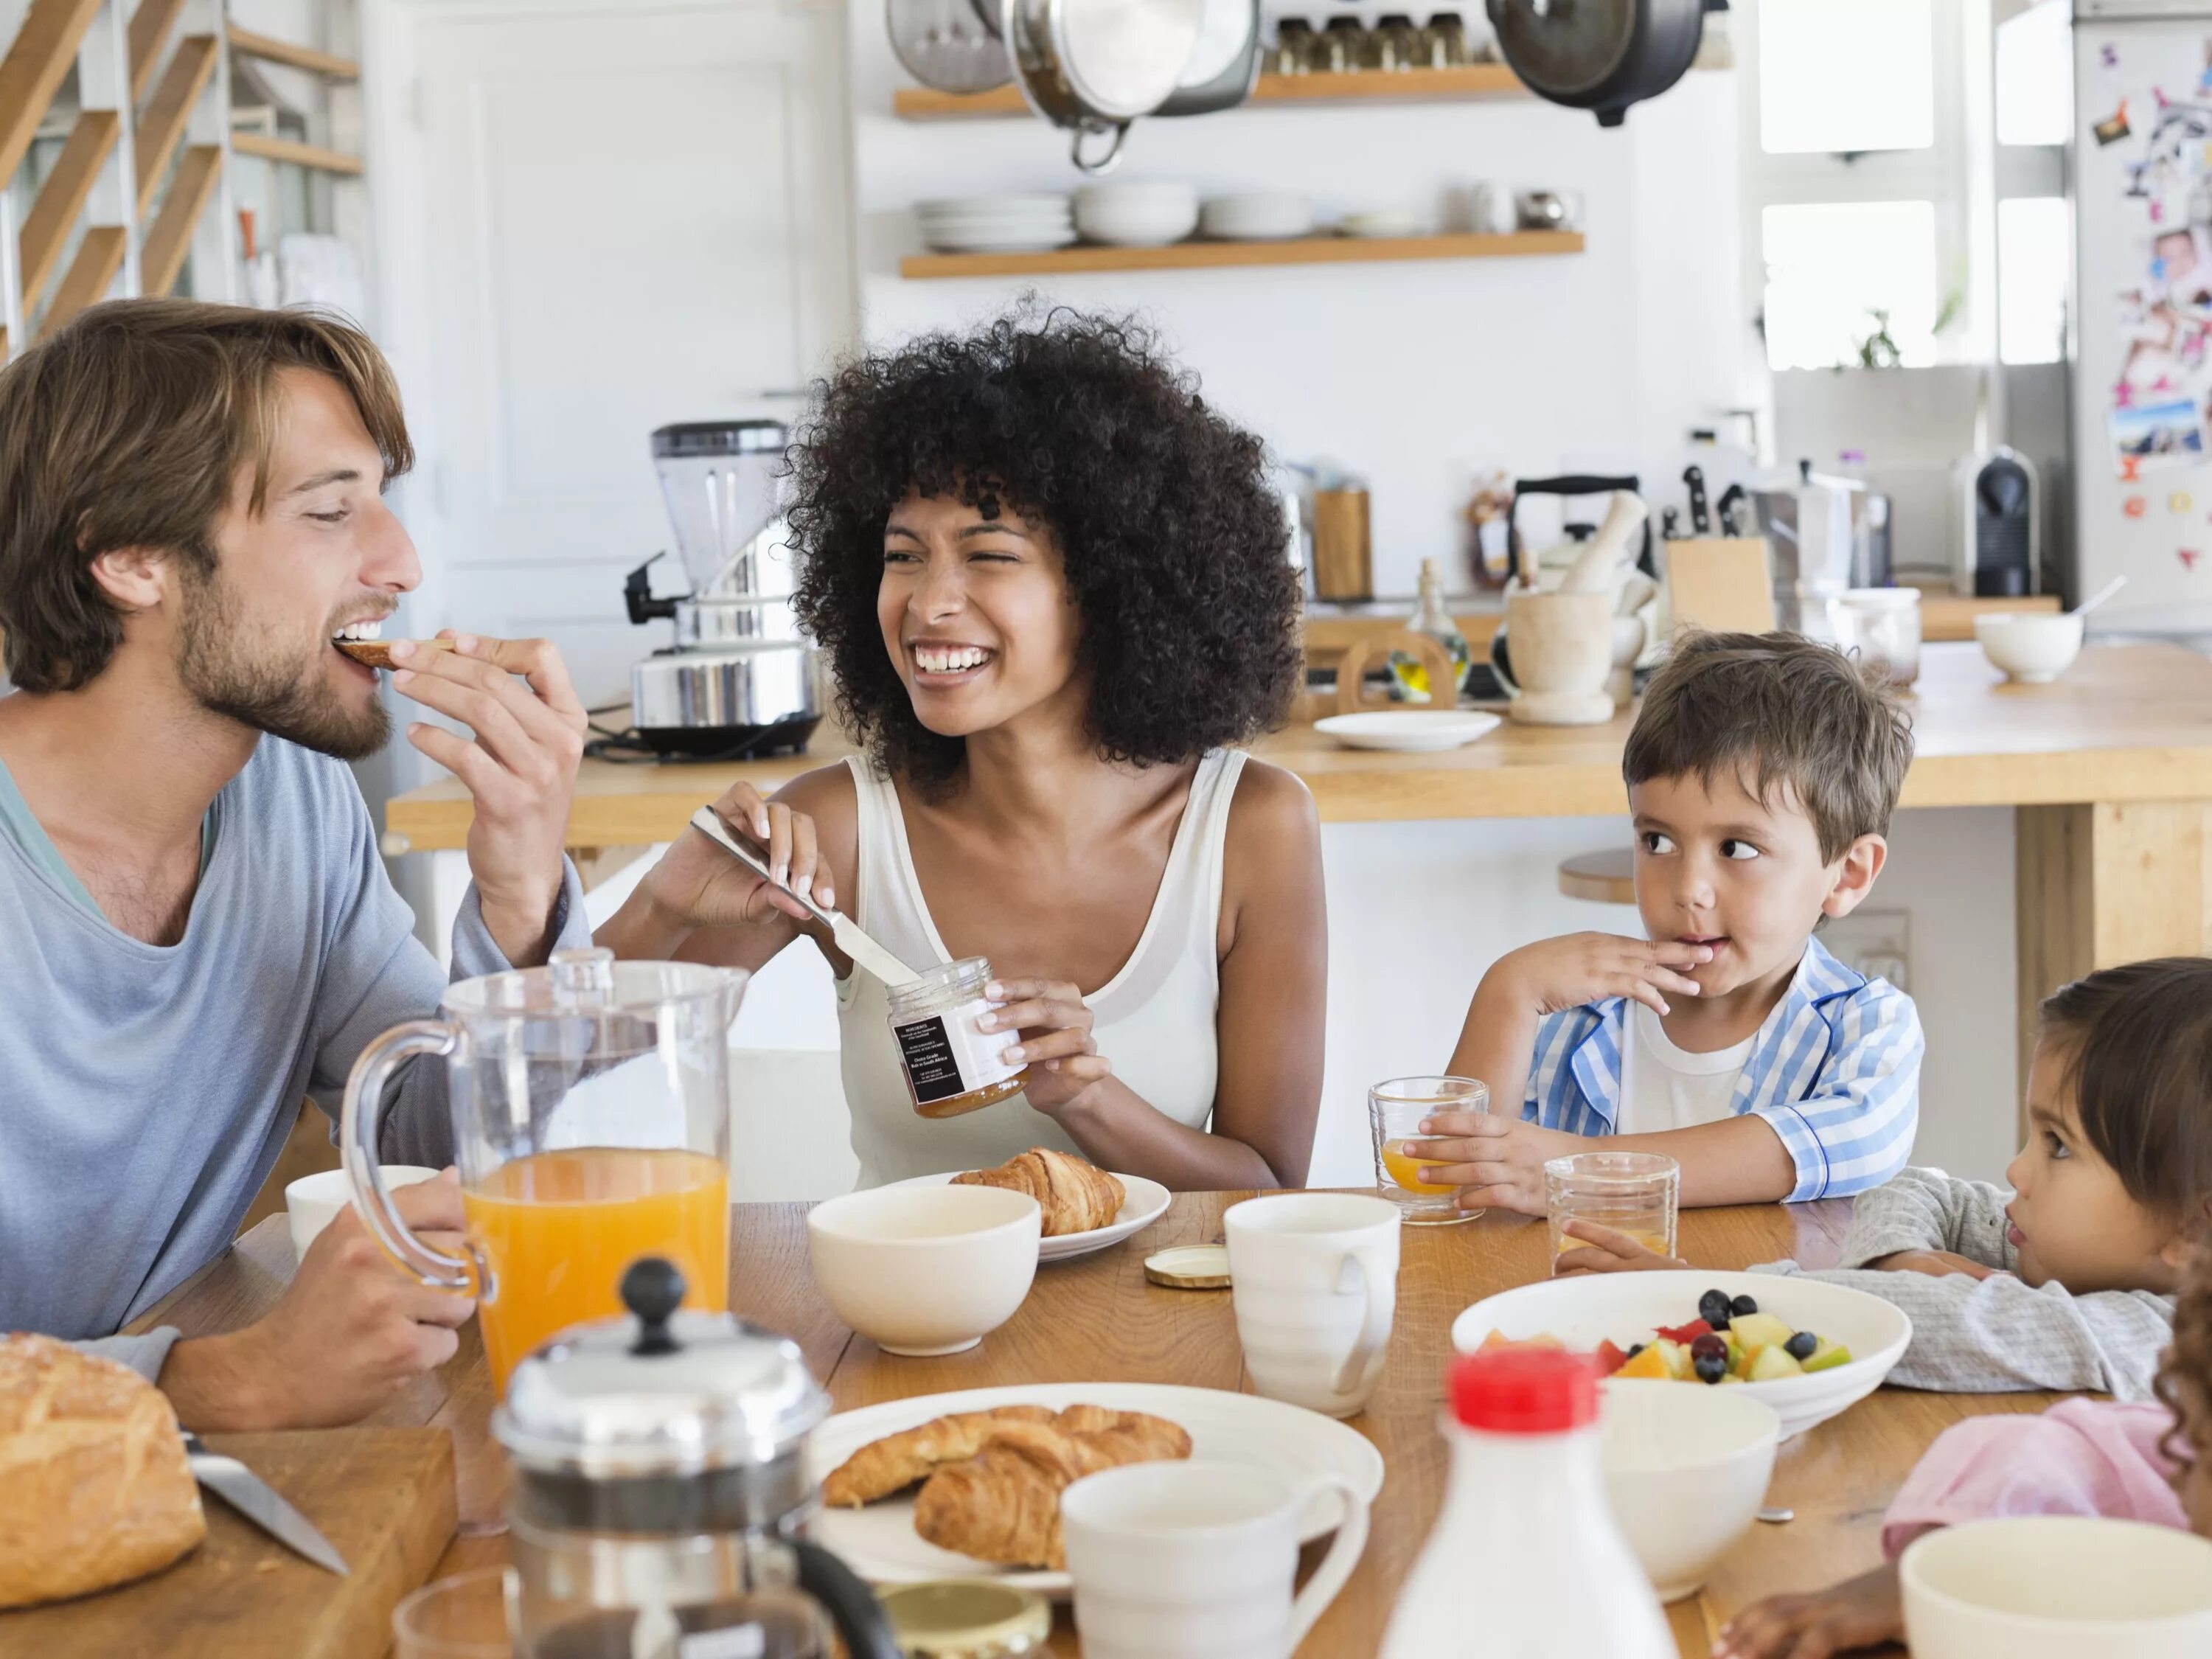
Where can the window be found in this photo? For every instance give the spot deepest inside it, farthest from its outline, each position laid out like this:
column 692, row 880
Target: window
column 1842, row 275
column 2035, row 250
column 1845, row 76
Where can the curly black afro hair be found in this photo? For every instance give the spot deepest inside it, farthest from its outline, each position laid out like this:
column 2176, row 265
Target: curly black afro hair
column 1176, row 548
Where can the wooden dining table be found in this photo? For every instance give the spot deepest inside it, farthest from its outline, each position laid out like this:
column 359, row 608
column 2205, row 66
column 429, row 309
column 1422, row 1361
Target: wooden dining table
column 1097, row 1318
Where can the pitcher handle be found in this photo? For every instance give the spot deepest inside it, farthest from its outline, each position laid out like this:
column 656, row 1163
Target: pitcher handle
column 1344, row 1552
column 1379, row 1306
column 357, row 1145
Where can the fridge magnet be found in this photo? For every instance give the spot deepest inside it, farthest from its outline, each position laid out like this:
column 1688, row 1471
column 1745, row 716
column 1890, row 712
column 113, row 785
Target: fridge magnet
column 2109, row 56
column 2130, row 468
column 2114, row 127
column 2188, row 556
column 2159, row 436
column 2133, row 507
column 2178, row 502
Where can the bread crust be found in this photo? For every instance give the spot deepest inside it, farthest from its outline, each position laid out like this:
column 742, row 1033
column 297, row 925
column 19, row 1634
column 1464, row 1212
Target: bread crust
column 377, row 653
column 94, row 1486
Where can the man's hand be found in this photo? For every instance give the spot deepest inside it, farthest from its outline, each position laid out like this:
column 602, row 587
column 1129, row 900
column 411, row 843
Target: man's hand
column 348, row 1334
column 1936, row 1264
column 521, row 768
column 1496, row 1162
column 1606, row 1251
column 1554, row 974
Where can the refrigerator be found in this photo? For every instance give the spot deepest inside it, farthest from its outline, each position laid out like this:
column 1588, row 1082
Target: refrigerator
column 2142, row 333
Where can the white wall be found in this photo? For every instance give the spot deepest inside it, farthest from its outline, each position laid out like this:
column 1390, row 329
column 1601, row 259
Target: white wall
column 1412, row 374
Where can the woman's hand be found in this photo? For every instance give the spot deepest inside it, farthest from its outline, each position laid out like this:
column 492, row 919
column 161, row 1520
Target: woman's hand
column 1056, row 1044
column 1608, row 1252
column 699, row 885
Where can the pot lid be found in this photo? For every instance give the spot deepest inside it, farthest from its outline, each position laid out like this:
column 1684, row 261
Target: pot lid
column 662, row 1392
column 588, row 981
column 1566, row 50
column 1122, row 57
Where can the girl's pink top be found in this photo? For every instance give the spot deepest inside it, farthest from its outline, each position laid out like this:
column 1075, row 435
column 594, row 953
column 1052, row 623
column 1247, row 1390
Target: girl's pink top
column 2080, row 1457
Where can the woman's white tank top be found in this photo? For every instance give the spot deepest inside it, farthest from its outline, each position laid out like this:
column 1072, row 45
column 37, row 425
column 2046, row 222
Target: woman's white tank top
column 1155, row 1020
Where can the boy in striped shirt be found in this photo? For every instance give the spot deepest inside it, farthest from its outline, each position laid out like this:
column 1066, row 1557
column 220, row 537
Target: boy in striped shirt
column 1762, row 772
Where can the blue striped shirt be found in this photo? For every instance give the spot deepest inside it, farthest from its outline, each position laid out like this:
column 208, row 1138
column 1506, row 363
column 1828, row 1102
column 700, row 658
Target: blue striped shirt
column 1835, row 1069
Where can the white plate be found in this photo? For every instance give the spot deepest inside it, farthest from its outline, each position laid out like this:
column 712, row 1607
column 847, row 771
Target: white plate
column 1625, row 1308
column 1143, row 1202
column 1408, row 729
column 880, row 1544
column 1010, row 242
column 1041, row 203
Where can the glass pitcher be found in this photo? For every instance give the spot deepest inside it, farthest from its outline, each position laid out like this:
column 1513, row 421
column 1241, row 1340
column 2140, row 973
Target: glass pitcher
column 591, row 1125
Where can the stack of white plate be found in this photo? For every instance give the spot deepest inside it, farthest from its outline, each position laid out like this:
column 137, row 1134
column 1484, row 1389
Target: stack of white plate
column 1258, row 215
column 1136, row 216
column 996, row 224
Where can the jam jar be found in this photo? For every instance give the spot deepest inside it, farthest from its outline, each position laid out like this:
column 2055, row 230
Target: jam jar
column 950, row 1066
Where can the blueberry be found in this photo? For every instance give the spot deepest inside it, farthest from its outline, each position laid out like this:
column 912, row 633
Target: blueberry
column 1713, row 1307
column 1709, row 1345
column 1633, row 1351
column 1742, row 1305
column 1801, row 1346
column 1711, row 1367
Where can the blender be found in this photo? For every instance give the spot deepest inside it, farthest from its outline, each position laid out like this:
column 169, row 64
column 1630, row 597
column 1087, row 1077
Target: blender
column 740, row 680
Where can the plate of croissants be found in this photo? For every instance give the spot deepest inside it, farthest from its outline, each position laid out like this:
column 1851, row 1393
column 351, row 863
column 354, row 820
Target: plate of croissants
column 967, row 1485
column 1085, row 1209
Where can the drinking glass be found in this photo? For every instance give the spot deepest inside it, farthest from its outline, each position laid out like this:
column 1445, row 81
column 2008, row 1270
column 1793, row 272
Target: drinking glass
column 464, row 1617
column 1394, row 1111
column 1632, row 1193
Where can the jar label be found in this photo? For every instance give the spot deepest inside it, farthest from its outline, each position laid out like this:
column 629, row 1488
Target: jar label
column 946, row 1056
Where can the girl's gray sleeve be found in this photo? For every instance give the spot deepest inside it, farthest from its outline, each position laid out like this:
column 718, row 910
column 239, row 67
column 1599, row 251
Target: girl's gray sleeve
column 1928, row 1210
column 1995, row 1335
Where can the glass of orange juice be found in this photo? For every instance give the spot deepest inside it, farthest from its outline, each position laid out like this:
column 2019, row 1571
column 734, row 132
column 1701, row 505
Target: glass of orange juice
column 1637, row 1193
column 1394, row 1112
column 590, row 1112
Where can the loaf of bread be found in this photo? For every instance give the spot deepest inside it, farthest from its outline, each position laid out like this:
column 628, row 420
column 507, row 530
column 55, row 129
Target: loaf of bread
column 95, row 1489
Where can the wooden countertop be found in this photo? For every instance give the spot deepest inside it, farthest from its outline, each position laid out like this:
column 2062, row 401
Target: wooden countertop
column 1096, row 1319
column 2126, row 723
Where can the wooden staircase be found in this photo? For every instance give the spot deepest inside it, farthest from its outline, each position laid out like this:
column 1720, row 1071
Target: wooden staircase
column 148, row 152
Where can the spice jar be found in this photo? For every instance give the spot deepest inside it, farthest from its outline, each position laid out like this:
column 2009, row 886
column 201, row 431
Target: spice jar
column 1395, row 46
column 950, row 1066
column 1293, row 47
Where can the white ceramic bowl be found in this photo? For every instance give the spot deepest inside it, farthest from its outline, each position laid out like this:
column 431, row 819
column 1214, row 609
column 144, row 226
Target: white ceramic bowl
column 1686, row 1469
column 1257, row 216
column 2030, row 649
column 2057, row 1587
column 925, row 1270
column 1626, row 1308
column 1136, row 216
column 312, row 1202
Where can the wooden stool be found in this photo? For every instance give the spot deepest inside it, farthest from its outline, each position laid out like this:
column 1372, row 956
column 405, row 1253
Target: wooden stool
column 1607, row 877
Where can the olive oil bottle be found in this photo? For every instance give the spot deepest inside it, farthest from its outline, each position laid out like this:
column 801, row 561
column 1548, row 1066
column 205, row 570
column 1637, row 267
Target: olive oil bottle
column 1430, row 617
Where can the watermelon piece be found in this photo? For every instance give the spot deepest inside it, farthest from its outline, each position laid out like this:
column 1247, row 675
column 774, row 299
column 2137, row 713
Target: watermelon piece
column 1686, row 1335
column 1610, row 1357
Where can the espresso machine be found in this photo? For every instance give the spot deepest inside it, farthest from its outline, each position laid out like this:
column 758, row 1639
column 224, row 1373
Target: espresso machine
column 741, row 680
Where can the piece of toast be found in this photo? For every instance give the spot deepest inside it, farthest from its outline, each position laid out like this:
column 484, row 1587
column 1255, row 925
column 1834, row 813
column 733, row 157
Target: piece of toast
column 377, row 653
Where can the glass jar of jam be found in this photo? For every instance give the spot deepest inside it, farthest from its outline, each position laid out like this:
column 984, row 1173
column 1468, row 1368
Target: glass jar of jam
column 950, row 1066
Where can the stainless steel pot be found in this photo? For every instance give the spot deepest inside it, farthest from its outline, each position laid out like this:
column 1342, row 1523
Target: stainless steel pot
column 1093, row 66
column 695, row 700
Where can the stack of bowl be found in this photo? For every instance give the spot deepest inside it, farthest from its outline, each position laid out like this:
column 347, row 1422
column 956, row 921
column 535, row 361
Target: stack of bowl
column 1136, row 214
column 1258, row 215
column 996, row 224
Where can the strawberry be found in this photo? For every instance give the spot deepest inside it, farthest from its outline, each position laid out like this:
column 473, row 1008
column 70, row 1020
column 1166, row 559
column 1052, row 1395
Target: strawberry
column 1688, row 1333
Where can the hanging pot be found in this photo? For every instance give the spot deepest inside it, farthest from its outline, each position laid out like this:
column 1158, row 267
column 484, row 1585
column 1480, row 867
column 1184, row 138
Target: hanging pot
column 1224, row 66
column 1601, row 55
column 1093, row 66
column 950, row 45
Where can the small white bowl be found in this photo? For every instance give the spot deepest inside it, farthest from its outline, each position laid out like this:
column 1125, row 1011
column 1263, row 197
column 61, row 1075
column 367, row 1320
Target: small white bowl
column 925, row 1270
column 2030, row 649
column 2057, row 1587
column 1685, row 1468
column 312, row 1202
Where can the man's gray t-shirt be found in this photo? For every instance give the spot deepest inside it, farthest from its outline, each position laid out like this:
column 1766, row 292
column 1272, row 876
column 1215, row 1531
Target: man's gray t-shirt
column 146, row 1091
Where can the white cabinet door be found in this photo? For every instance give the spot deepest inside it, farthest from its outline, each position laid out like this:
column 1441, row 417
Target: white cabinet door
column 595, row 218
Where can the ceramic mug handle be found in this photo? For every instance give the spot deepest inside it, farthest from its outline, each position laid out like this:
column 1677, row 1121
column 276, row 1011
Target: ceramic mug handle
column 1344, row 1552
column 1363, row 1268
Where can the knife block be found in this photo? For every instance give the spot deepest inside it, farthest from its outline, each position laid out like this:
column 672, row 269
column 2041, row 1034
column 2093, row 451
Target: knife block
column 1723, row 583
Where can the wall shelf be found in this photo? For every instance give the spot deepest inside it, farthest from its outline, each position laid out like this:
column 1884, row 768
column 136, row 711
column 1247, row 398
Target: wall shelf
column 1430, row 86
column 284, row 149
column 1193, row 256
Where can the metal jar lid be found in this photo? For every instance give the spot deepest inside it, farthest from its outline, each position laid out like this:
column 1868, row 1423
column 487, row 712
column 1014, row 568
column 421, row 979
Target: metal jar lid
column 663, row 1393
column 967, row 1619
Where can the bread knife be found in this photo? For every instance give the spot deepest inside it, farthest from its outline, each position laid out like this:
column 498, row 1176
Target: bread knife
column 258, row 1501
column 844, row 929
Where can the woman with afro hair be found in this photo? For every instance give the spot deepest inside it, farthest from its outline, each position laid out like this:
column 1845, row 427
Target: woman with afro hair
column 1053, row 586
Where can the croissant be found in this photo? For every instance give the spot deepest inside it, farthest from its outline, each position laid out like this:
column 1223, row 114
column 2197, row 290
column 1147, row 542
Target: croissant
column 1002, row 1504
column 1075, row 1196
column 883, row 1466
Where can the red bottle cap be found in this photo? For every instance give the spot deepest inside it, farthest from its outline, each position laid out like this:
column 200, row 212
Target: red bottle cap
column 1524, row 1391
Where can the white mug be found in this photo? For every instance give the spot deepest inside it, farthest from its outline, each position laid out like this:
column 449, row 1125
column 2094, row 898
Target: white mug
column 312, row 1202
column 1315, row 1279
column 1196, row 1561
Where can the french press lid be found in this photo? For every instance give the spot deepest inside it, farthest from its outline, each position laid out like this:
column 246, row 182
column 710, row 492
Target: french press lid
column 662, row 1393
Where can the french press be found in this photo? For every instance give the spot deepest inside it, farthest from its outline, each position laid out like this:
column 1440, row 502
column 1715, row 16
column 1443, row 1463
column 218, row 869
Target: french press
column 660, row 1495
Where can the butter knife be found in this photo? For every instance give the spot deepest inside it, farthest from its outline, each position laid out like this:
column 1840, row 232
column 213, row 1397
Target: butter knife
column 843, row 928
column 258, row 1501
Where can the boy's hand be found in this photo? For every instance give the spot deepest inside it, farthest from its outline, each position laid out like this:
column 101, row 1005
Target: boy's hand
column 1497, row 1162
column 1554, row 974
column 1936, row 1264
column 1609, row 1252
column 1861, row 1613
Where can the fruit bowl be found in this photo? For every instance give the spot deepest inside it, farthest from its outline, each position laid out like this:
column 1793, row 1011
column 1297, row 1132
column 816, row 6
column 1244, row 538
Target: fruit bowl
column 1626, row 1308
